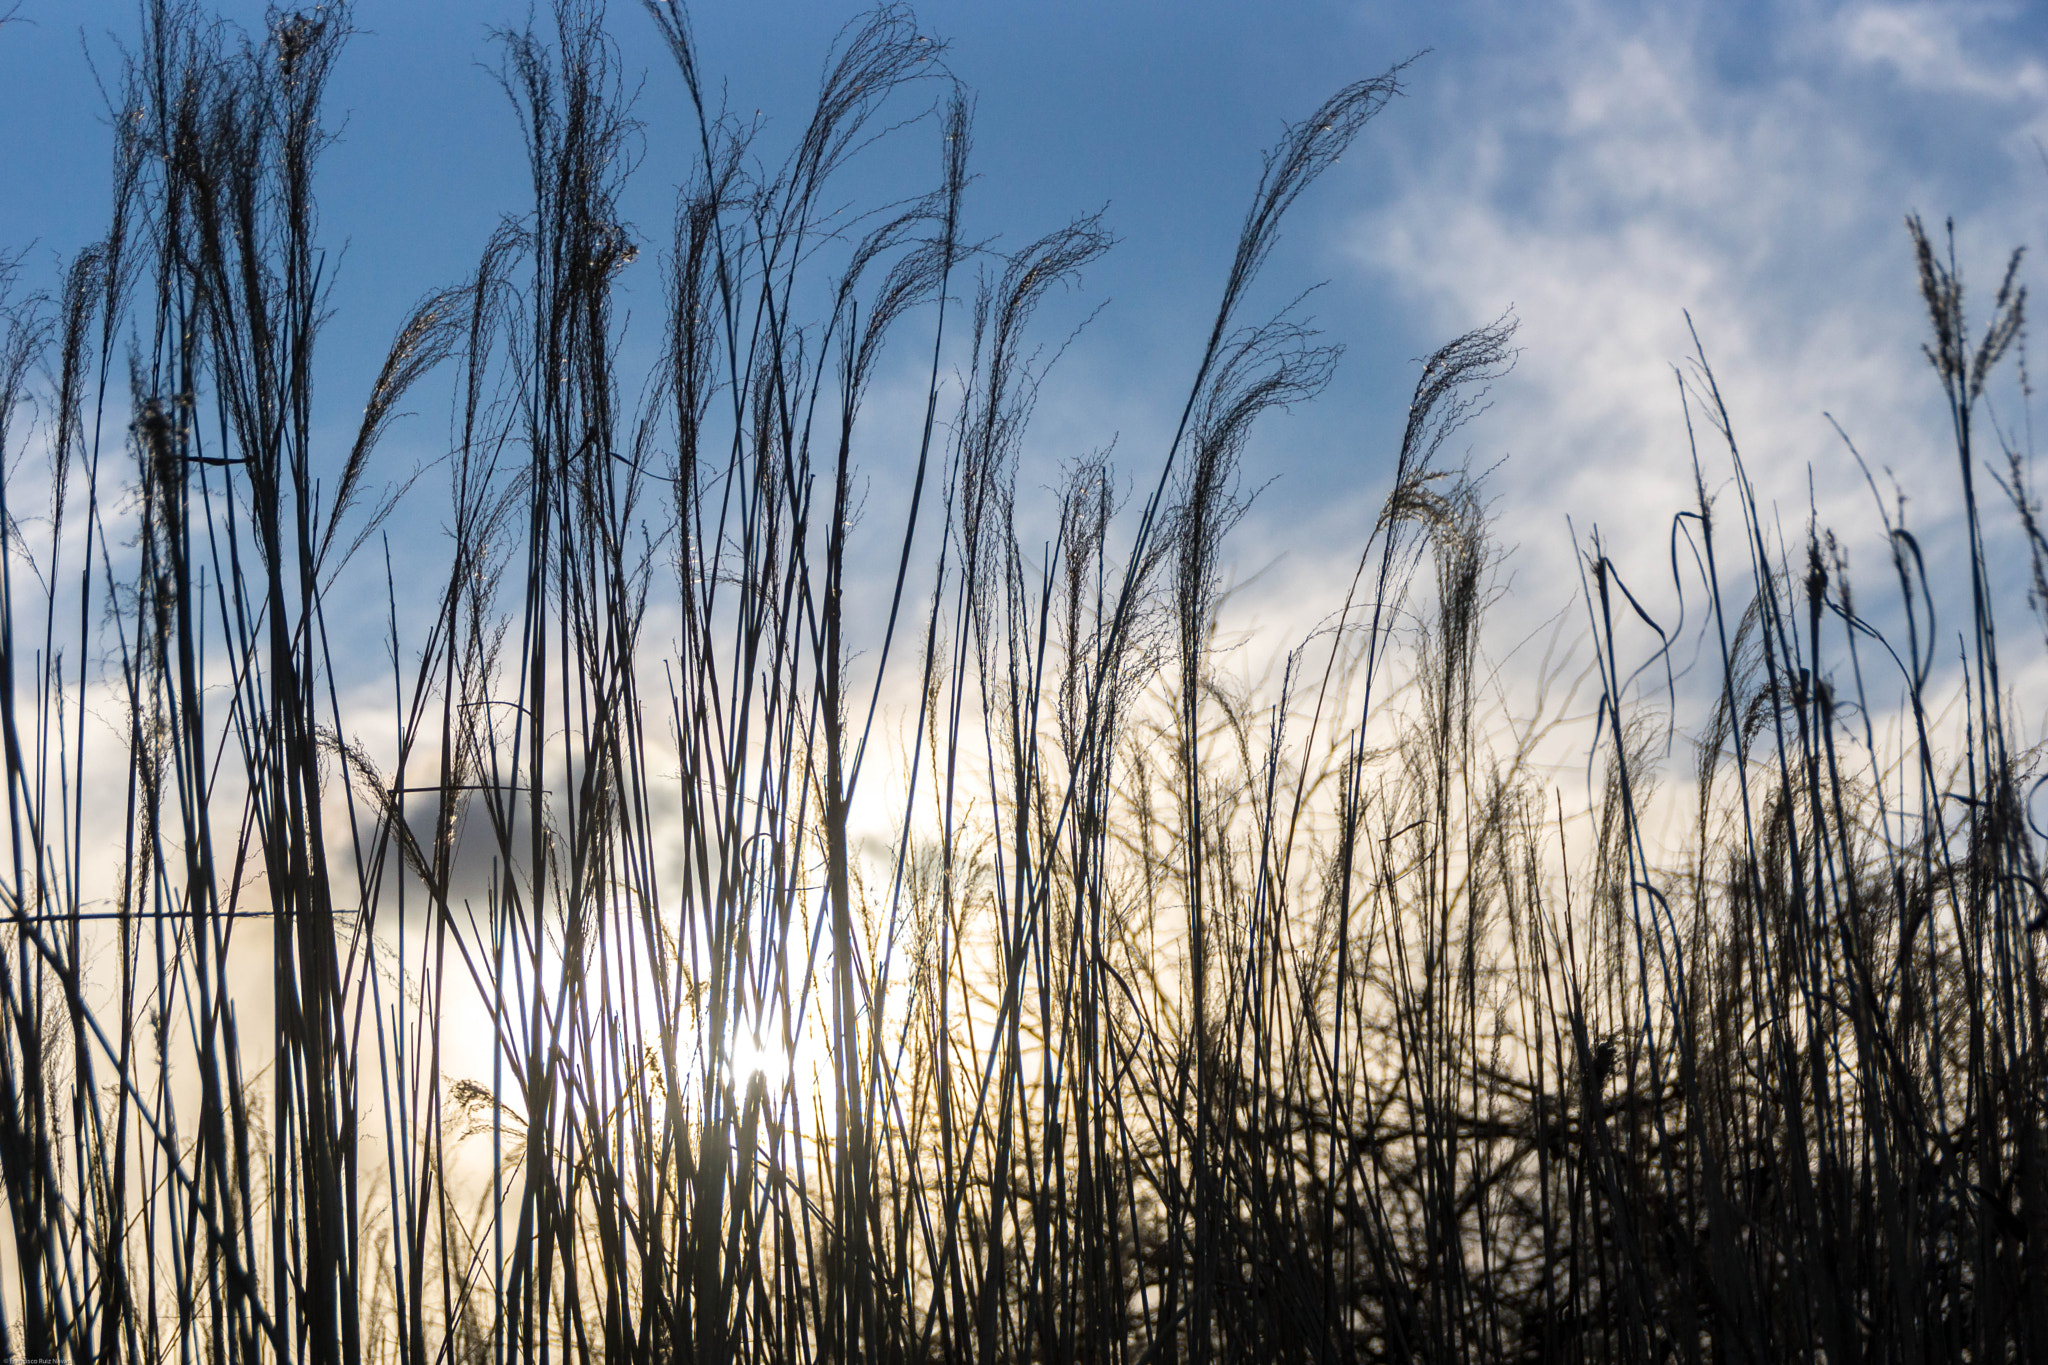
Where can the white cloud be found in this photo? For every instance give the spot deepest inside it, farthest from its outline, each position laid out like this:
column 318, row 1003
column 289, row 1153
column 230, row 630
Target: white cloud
column 1928, row 47
column 1605, row 174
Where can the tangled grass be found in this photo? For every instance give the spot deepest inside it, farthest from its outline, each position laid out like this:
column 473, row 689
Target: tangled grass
column 1170, row 1022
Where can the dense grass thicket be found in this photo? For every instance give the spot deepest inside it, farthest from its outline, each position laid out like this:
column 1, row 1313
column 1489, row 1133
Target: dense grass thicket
column 563, row 1005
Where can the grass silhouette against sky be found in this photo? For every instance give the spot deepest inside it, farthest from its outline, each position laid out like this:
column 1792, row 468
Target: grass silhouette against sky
column 688, row 795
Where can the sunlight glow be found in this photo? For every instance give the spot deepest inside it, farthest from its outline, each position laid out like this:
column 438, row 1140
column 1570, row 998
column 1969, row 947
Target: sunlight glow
column 750, row 1056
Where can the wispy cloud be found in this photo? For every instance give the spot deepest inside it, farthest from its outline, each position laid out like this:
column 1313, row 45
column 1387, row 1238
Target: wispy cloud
column 1607, row 167
column 1944, row 49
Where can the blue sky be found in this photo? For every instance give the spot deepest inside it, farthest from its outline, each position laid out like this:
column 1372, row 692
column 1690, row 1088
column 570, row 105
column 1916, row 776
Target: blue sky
column 1600, row 167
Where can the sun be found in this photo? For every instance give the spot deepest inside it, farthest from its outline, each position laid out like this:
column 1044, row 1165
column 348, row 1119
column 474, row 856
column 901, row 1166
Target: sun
column 751, row 1055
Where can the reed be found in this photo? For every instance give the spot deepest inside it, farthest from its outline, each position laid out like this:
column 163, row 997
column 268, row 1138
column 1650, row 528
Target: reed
column 566, row 1005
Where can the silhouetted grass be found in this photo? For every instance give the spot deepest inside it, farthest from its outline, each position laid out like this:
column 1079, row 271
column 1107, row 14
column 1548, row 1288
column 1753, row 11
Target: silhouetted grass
column 1174, row 1020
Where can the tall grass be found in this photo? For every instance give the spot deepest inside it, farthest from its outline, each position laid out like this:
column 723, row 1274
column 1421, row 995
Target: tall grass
column 1172, row 1020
